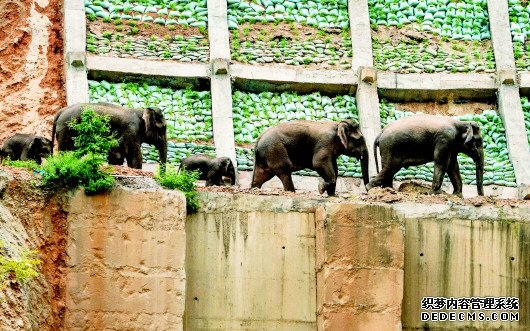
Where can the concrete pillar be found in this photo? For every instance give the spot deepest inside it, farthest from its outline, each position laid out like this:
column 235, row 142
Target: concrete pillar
column 511, row 112
column 501, row 36
column 360, row 34
column 221, row 86
column 368, row 108
column 75, row 51
column 363, row 61
column 509, row 100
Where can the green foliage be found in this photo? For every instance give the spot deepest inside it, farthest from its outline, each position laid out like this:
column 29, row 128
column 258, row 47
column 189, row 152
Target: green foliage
column 107, row 34
column 30, row 164
column 93, row 134
column 182, row 180
column 23, row 268
column 68, row 171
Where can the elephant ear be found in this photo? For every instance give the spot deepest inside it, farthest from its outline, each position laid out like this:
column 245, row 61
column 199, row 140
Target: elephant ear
column 342, row 132
column 225, row 163
column 35, row 146
column 472, row 133
column 153, row 117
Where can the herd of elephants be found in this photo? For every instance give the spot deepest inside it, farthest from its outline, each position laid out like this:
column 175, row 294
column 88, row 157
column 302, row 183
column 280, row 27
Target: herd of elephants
column 282, row 149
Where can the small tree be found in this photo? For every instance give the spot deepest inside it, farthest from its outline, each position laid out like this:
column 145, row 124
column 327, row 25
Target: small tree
column 93, row 134
column 82, row 167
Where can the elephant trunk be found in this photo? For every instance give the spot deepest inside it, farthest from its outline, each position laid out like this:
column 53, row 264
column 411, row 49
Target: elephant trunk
column 479, row 163
column 364, row 165
column 162, row 155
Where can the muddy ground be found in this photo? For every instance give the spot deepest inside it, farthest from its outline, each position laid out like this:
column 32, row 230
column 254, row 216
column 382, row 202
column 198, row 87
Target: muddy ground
column 409, row 191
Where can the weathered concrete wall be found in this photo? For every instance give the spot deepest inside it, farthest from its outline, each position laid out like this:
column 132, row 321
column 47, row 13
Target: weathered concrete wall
column 360, row 252
column 126, row 254
column 131, row 260
column 466, row 252
column 250, row 265
column 31, row 65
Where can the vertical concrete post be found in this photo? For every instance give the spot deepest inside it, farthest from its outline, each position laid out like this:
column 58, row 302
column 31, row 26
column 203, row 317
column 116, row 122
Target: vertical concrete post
column 368, row 107
column 509, row 100
column 75, row 51
column 363, row 61
column 360, row 34
column 221, row 86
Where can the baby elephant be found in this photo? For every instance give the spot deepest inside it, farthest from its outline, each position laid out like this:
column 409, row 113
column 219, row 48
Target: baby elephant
column 420, row 139
column 26, row 147
column 212, row 169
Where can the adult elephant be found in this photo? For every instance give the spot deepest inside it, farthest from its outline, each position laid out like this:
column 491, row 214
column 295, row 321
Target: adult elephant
column 420, row 139
column 132, row 126
column 297, row 145
column 212, row 169
column 26, row 147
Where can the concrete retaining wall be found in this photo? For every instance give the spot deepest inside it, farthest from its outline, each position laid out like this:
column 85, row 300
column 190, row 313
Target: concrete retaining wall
column 135, row 261
column 125, row 263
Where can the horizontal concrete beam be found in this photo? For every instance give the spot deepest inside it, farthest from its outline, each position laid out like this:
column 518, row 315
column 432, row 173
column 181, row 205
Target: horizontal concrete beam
column 174, row 74
column 145, row 67
column 524, row 83
column 280, row 78
column 437, row 86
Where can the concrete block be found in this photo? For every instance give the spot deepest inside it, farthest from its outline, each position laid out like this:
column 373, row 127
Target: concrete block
column 220, row 66
column 76, row 59
column 368, row 74
column 506, row 76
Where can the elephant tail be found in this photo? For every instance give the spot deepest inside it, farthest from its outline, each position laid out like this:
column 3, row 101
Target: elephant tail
column 54, row 127
column 376, row 144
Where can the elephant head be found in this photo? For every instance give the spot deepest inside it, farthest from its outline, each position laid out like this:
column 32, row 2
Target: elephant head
column 155, row 131
column 353, row 144
column 473, row 147
column 38, row 148
column 228, row 169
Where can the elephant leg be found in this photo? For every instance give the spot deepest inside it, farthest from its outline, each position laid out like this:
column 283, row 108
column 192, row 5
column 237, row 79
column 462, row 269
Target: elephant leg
column 287, row 180
column 329, row 174
column 442, row 158
column 134, row 156
column 260, row 176
column 385, row 177
column 454, row 176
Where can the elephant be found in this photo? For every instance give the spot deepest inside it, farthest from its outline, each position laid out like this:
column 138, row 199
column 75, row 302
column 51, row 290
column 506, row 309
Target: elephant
column 132, row 127
column 296, row 145
column 212, row 169
column 26, row 147
column 420, row 139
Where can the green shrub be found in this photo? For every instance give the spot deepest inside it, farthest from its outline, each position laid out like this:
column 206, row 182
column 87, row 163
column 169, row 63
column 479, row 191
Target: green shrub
column 82, row 167
column 30, row 164
column 182, row 180
column 23, row 268
column 68, row 171
column 93, row 134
